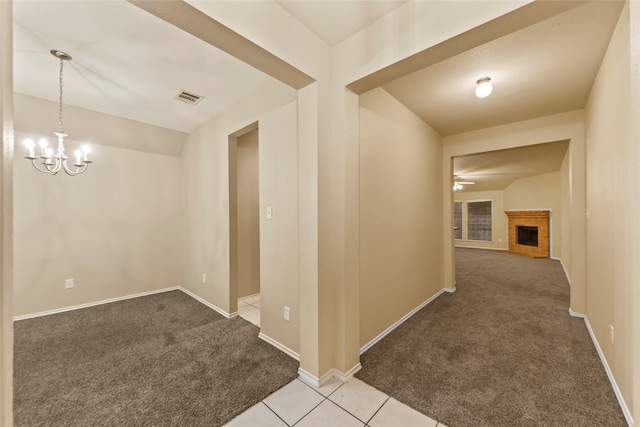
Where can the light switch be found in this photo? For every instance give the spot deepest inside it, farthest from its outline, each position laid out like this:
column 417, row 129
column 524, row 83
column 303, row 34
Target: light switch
column 268, row 212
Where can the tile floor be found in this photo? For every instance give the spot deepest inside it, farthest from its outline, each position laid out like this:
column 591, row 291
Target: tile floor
column 249, row 308
column 335, row 404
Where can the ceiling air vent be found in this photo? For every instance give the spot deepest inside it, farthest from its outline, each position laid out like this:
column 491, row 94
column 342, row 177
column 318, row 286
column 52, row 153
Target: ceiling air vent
column 188, row 97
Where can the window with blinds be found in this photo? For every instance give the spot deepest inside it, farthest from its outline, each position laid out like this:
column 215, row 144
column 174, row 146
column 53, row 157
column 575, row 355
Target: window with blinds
column 457, row 220
column 479, row 221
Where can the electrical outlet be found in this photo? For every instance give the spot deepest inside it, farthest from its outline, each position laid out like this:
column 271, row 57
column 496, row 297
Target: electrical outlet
column 204, row 278
column 269, row 213
column 68, row 283
column 287, row 312
column 611, row 333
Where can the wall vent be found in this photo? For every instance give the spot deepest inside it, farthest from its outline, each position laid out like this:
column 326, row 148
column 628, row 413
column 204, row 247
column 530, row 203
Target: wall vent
column 188, row 97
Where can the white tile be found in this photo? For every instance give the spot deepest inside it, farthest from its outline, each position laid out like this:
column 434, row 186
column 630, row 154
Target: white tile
column 328, row 387
column 293, row 401
column 329, row 414
column 252, row 299
column 359, row 399
column 256, row 304
column 253, row 317
column 394, row 413
column 246, row 309
column 257, row 416
column 241, row 303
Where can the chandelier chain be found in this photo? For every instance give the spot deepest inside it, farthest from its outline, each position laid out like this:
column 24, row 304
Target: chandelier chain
column 60, row 98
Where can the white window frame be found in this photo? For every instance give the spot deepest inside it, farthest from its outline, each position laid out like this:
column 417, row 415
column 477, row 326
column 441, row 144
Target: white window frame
column 479, row 201
column 461, row 219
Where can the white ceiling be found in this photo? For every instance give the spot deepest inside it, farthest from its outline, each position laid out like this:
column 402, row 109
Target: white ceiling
column 544, row 69
column 129, row 63
column 496, row 170
column 126, row 62
column 335, row 20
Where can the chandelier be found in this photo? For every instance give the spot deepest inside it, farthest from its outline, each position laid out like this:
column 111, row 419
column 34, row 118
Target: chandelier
column 53, row 162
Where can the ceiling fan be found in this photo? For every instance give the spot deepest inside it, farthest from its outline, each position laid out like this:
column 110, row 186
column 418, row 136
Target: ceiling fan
column 457, row 183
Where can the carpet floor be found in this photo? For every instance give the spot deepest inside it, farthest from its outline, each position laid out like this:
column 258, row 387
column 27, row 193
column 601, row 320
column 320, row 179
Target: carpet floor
column 500, row 351
column 159, row 360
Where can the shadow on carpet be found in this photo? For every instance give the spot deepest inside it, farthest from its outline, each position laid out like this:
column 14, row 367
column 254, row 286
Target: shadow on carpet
column 500, row 351
column 159, row 360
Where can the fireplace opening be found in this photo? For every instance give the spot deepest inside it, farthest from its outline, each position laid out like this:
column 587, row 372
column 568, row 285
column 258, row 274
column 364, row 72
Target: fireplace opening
column 527, row 235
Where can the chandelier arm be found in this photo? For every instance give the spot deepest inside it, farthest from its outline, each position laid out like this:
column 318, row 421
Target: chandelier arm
column 55, row 168
column 35, row 165
column 78, row 171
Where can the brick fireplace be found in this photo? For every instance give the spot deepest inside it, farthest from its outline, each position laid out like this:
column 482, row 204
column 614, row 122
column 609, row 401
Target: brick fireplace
column 529, row 233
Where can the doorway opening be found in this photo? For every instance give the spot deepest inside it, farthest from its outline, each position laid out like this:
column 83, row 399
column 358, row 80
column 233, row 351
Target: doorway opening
column 244, row 212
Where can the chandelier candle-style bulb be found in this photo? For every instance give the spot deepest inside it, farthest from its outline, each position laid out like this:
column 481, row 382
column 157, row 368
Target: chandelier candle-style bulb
column 30, row 146
column 43, row 146
column 86, row 150
column 78, row 154
column 55, row 161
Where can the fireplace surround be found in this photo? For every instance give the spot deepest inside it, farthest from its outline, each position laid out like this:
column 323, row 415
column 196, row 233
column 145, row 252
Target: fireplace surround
column 529, row 233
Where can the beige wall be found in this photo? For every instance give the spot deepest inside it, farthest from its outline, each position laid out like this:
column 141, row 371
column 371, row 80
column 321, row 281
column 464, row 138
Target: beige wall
column 6, row 216
column 115, row 229
column 279, row 257
column 248, row 209
column 205, row 166
column 400, row 214
column 539, row 192
column 89, row 126
column 607, row 135
column 632, row 222
column 565, row 206
column 499, row 230
column 329, row 276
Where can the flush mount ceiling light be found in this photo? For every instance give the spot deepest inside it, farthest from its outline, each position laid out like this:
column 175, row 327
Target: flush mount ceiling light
column 52, row 161
column 484, row 87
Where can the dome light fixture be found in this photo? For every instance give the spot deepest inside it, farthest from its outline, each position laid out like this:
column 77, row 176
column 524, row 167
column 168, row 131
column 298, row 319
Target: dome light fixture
column 484, row 87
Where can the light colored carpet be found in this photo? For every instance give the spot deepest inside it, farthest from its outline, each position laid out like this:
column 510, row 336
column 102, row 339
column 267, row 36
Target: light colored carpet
column 159, row 360
column 500, row 351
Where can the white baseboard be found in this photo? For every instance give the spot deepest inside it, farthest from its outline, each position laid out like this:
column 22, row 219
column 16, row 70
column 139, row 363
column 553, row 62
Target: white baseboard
column 345, row 377
column 403, row 319
column 126, row 297
column 564, row 268
column 93, row 304
column 574, row 314
column 480, row 247
column 314, row 381
column 279, row 346
column 612, row 380
column 207, row 303
column 311, row 379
